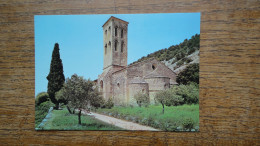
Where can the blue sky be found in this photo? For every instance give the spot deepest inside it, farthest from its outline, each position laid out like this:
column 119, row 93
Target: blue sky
column 80, row 39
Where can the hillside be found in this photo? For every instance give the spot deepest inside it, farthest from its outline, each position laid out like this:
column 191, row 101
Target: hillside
column 177, row 57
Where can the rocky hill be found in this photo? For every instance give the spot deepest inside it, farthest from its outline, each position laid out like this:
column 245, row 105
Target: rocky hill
column 178, row 57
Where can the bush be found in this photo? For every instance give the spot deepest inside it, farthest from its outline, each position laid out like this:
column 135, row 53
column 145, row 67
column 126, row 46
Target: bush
column 109, row 103
column 189, row 93
column 188, row 60
column 179, row 63
column 175, row 100
column 142, row 99
column 193, row 94
column 188, row 123
column 41, row 111
column 41, row 97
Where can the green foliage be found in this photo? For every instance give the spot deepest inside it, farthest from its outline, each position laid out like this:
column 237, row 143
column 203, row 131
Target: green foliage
column 163, row 96
column 78, row 92
column 152, row 116
column 62, row 120
column 178, row 95
column 41, row 111
column 188, row 75
column 169, row 98
column 60, row 97
column 41, row 97
column 56, row 77
column 97, row 99
column 142, row 99
column 178, row 52
column 109, row 104
column 188, row 123
column 188, row 60
column 190, row 93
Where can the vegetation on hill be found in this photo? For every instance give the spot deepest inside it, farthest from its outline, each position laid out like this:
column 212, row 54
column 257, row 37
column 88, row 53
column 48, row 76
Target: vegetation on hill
column 189, row 75
column 178, row 52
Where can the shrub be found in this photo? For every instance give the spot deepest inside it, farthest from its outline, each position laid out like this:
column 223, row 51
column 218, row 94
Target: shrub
column 190, row 51
column 188, row 60
column 175, row 100
column 188, row 123
column 189, row 93
column 193, row 94
column 41, row 97
column 142, row 99
column 179, row 63
column 109, row 103
column 41, row 111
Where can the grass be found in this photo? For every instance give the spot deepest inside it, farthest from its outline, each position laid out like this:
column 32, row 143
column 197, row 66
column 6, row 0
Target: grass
column 63, row 120
column 173, row 117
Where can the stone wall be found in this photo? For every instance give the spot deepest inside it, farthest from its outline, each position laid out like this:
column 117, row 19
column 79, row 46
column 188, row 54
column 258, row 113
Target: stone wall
column 105, row 77
column 157, row 84
column 119, row 56
column 134, row 88
column 119, row 87
column 107, row 44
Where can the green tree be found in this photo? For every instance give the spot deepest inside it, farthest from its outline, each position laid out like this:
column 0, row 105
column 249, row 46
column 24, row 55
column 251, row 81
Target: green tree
column 142, row 99
column 97, row 99
column 188, row 75
column 41, row 97
column 56, row 77
column 60, row 97
column 78, row 92
column 163, row 98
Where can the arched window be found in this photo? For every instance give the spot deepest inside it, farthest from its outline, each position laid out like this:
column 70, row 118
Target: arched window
column 106, row 49
column 118, row 85
column 116, row 31
column 154, row 66
column 115, row 45
column 101, row 85
column 106, row 32
column 122, row 33
column 122, row 46
column 109, row 44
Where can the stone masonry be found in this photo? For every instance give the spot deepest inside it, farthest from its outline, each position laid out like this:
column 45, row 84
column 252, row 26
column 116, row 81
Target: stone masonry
column 121, row 82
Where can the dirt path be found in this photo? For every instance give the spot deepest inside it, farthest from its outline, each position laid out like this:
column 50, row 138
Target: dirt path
column 119, row 123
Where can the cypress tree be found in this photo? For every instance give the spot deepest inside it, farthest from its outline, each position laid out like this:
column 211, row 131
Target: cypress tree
column 56, row 77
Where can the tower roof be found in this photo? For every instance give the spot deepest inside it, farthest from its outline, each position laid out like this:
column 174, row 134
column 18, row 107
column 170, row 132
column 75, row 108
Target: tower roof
column 112, row 17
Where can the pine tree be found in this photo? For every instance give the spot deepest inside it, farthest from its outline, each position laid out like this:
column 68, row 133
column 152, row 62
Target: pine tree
column 56, row 77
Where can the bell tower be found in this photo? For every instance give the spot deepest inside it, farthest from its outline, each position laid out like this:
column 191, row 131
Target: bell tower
column 115, row 43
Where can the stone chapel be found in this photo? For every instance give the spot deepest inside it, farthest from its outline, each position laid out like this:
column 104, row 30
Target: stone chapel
column 120, row 81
